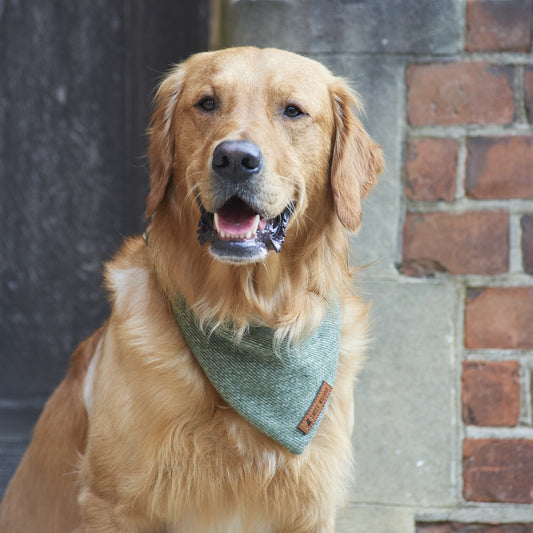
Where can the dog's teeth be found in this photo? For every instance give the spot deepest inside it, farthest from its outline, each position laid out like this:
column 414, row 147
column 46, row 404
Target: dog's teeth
column 253, row 231
column 236, row 236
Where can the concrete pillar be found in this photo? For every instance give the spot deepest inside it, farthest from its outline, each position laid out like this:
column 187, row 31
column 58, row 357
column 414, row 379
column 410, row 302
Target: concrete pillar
column 405, row 436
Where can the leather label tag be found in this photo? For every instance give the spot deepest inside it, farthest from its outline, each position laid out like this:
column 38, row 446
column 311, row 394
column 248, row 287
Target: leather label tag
column 312, row 415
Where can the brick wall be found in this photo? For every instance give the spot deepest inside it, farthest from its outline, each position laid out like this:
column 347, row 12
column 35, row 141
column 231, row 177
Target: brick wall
column 468, row 185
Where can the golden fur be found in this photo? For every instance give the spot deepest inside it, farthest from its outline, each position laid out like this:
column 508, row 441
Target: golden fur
column 136, row 439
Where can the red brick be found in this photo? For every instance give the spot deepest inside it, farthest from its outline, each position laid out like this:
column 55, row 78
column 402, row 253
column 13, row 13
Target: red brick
column 498, row 25
column 460, row 93
column 499, row 318
column 498, row 470
column 491, row 393
column 528, row 92
column 457, row 527
column 499, row 167
column 430, row 169
column 474, row 242
column 527, row 243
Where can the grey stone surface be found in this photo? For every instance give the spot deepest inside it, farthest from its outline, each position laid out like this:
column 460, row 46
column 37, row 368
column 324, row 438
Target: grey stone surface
column 405, row 434
column 344, row 26
column 484, row 513
column 375, row 519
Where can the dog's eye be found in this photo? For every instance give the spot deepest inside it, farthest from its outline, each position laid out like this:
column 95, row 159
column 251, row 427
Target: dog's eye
column 207, row 104
column 292, row 111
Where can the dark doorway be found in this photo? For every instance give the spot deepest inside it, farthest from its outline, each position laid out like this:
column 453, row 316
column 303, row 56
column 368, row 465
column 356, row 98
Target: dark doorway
column 75, row 91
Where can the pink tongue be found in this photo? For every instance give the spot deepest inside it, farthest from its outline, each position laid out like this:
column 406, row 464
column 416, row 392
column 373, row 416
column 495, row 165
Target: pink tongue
column 236, row 218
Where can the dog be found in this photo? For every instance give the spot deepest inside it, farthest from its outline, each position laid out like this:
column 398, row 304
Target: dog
column 218, row 395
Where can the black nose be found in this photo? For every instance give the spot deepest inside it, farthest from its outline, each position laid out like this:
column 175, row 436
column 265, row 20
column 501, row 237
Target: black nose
column 237, row 160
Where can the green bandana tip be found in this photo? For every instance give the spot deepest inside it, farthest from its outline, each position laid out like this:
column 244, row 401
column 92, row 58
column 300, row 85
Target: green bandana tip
column 282, row 391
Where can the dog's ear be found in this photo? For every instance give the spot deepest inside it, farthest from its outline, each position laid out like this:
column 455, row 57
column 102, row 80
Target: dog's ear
column 356, row 159
column 161, row 143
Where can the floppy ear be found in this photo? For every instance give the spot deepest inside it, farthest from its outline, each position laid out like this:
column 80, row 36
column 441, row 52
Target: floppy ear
column 161, row 144
column 356, row 160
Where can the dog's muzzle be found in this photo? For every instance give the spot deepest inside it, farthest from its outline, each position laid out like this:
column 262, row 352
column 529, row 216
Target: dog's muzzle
column 237, row 229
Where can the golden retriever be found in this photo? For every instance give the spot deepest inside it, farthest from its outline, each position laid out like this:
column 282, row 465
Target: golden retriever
column 258, row 169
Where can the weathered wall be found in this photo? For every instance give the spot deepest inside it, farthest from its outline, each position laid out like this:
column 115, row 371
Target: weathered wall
column 77, row 78
column 446, row 89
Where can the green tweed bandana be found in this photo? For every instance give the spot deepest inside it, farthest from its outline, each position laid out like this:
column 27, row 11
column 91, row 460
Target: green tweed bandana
column 281, row 391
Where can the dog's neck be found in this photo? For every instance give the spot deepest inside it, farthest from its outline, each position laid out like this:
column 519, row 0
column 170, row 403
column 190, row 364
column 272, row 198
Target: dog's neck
column 287, row 290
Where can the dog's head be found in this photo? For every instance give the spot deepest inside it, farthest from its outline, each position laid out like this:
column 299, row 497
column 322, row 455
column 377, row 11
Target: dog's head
column 258, row 141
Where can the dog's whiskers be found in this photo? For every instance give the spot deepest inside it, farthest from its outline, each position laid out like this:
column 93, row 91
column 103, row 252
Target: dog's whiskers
column 192, row 191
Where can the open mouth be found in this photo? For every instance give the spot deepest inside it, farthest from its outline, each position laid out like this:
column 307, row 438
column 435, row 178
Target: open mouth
column 238, row 233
